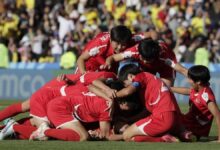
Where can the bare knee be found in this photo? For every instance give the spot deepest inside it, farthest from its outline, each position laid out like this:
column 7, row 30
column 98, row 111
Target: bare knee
column 25, row 106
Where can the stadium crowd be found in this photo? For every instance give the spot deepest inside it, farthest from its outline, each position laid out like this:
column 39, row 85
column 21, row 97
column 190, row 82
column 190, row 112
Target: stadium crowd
column 45, row 30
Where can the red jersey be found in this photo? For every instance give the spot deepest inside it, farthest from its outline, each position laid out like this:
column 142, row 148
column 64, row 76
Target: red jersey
column 155, row 95
column 100, row 48
column 199, row 104
column 89, row 108
column 83, row 81
column 199, row 118
column 157, row 66
column 55, row 83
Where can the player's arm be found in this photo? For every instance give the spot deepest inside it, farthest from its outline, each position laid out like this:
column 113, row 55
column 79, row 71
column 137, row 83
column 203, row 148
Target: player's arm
column 115, row 137
column 180, row 90
column 168, row 81
column 81, row 61
column 126, row 91
column 98, row 92
column 111, row 59
column 63, row 77
column 177, row 66
column 181, row 69
column 213, row 108
column 99, row 83
column 104, row 129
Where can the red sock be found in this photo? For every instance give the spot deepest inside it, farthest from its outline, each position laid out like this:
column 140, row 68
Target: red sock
column 23, row 130
column 147, row 139
column 10, row 111
column 25, row 121
column 63, row 134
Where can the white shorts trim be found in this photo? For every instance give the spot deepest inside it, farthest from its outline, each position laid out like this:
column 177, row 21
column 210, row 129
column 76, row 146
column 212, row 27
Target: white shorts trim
column 62, row 90
column 141, row 127
column 40, row 118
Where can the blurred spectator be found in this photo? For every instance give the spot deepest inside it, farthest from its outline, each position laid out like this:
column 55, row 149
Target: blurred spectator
column 202, row 53
column 68, row 59
column 14, row 56
column 199, row 23
column 37, row 44
column 65, row 25
column 46, row 57
column 72, row 23
column 56, row 49
column 3, row 55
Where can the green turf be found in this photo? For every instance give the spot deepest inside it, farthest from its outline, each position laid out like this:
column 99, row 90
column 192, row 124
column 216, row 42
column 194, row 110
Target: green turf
column 61, row 145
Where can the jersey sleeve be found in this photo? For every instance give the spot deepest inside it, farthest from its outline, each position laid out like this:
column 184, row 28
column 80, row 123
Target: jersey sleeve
column 89, row 77
column 138, row 81
column 131, row 52
column 208, row 96
column 164, row 70
column 98, row 45
column 167, row 52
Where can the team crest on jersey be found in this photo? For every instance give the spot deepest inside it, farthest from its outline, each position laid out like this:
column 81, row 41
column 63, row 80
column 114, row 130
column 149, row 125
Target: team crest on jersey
column 205, row 96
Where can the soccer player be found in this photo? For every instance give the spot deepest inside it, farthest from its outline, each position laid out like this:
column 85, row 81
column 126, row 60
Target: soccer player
column 56, row 88
column 88, row 108
column 104, row 45
column 158, row 100
column 24, row 106
column 151, row 56
column 42, row 97
column 203, row 107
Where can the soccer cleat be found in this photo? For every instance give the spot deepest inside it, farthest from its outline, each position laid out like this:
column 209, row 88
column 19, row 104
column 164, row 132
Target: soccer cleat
column 169, row 138
column 8, row 129
column 39, row 133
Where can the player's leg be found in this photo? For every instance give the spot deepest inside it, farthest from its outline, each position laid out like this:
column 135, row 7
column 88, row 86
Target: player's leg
column 25, row 106
column 60, row 114
column 38, row 104
column 131, row 132
column 14, row 109
column 73, row 131
column 154, row 126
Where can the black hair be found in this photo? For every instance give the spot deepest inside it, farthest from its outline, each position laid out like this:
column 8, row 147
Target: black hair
column 128, row 69
column 117, row 85
column 149, row 49
column 121, row 34
column 199, row 73
column 131, row 100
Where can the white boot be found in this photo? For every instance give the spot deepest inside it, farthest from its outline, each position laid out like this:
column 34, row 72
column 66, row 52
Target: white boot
column 8, row 129
column 39, row 133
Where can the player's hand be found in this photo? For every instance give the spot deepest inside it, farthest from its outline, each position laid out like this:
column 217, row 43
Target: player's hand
column 61, row 77
column 105, row 66
column 64, row 78
column 111, row 93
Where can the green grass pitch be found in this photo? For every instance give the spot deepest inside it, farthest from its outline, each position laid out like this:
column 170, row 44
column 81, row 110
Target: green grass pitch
column 61, row 145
